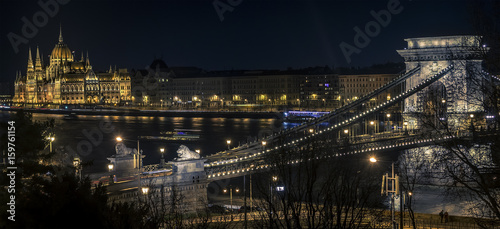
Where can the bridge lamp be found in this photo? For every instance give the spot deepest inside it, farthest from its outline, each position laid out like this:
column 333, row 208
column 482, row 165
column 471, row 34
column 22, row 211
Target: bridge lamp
column 228, row 143
column 145, row 190
column 346, row 131
column 224, row 191
column 119, row 139
column 443, row 101
column 388, row 115
column 373, row 160
column 111, row 167
column 372, row 123
column 311, row 130
column 237, row 190
column 198, row 151
column 275, row 178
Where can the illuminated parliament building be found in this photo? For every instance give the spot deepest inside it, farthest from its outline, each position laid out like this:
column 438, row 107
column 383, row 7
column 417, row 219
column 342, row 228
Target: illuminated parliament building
column 68, row 81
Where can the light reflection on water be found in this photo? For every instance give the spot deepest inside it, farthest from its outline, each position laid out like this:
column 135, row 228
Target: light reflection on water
column 214, row 133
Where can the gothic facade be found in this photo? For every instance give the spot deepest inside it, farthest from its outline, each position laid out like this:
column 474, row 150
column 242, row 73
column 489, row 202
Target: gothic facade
column 68, row 81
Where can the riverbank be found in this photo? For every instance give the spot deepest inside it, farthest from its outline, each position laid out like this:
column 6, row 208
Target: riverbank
column 154, row 113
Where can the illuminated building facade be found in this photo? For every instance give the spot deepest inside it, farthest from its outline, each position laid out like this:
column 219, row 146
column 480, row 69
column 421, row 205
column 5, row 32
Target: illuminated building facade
column 68, row 81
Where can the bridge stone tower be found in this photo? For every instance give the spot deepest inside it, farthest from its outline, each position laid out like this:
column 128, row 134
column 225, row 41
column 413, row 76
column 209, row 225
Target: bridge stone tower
column 457, row 94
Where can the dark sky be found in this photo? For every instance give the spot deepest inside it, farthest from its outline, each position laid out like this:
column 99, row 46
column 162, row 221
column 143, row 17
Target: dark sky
column 265, row 34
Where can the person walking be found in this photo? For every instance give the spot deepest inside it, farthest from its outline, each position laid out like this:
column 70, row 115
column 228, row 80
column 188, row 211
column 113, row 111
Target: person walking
column 441, row 215
column 446, row 217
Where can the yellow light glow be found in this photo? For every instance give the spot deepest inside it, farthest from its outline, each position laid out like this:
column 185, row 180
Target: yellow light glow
column 373, row 160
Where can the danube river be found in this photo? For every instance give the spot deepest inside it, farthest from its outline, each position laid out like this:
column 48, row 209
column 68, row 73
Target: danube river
column 92, row 130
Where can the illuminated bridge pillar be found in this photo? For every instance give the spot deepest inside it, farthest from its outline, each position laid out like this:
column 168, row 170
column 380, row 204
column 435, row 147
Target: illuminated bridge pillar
column 456, row 94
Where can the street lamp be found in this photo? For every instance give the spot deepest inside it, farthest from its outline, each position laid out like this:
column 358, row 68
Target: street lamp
column 198, row 151
column 162, row 161
column 111, row 167
column 393, row 182
column 388, row 115
column 311, row 130
column 145, row 190
column 231, row 197
column 51, row 139
column 228, row 143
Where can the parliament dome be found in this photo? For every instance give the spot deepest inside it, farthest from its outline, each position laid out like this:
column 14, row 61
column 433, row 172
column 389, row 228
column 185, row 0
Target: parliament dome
column 61, row 51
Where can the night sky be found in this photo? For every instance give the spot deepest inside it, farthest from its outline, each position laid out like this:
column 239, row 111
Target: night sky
column 255, row 35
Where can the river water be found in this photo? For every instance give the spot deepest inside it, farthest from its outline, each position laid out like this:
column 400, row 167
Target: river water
column 90, row 137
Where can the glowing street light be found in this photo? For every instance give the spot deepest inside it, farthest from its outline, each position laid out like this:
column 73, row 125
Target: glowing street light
column 162, row 161
column 228, row 143
column 198, row 151
column 231, row 197
column 311, row 130
column 264, row 143
column 110, row 167
column 145, row 190
column 119, row 139
column 51, row 139
column 394, row 189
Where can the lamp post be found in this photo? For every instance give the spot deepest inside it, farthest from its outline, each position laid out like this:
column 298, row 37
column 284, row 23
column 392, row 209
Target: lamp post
column 162, row 161
column 388, row 116
column 231, row 198
column 51, row 139
column 274, row 179
column 228, row 141
column 405, row 125
column 393, row 182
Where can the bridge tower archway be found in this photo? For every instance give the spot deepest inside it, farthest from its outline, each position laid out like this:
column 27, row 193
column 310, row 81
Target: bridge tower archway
column 461, row 86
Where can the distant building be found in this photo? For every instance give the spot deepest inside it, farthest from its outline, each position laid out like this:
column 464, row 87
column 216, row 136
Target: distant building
column 68, row 81
column 160, row 85
column 353, row 87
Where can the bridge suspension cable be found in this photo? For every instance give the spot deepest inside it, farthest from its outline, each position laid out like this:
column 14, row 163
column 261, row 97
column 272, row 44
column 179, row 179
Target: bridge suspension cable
column 345, row 122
